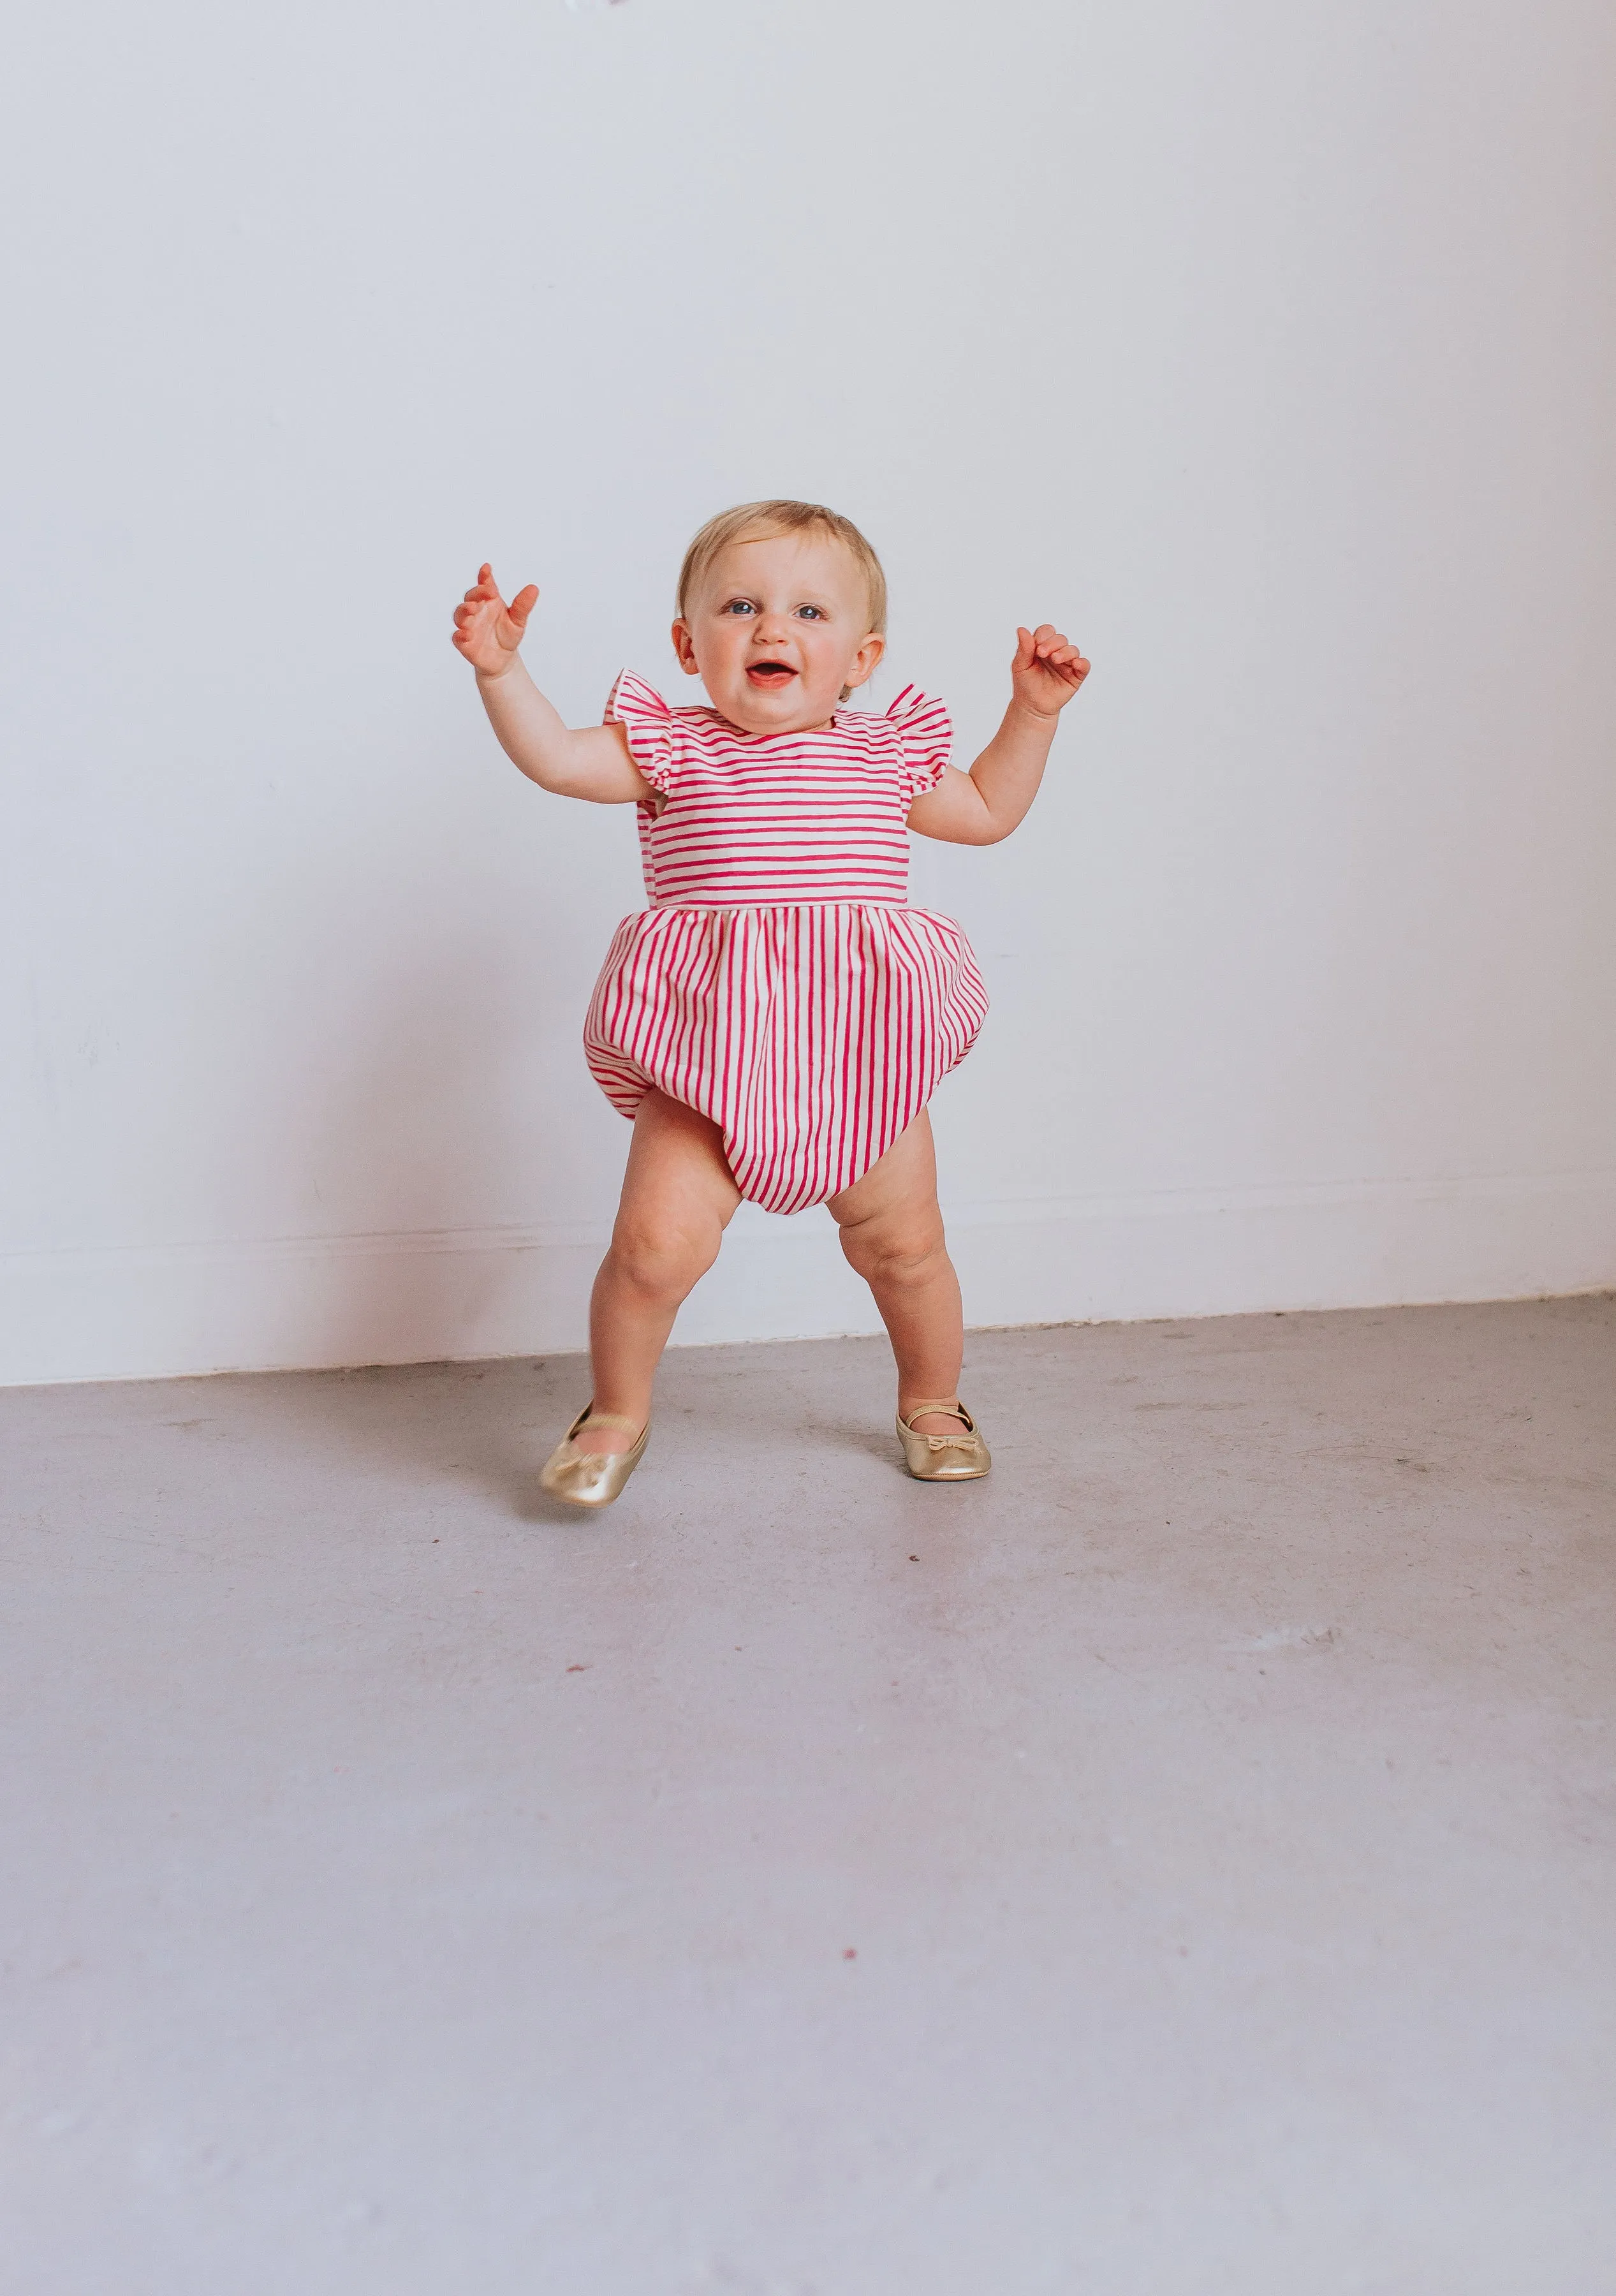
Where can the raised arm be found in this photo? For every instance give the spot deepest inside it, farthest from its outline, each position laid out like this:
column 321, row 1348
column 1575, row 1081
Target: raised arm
column 981, row 806
column 586, row 761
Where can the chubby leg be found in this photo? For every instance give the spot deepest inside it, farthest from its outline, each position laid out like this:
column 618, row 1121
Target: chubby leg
column 892, row 1233
column 677, row 1200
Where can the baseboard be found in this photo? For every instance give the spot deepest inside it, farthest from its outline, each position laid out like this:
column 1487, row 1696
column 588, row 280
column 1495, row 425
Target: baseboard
column 310, row 1302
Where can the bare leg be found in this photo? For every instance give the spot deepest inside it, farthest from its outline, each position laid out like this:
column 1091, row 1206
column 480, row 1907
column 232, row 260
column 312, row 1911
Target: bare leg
column 893, row 1232
column 679, row 1198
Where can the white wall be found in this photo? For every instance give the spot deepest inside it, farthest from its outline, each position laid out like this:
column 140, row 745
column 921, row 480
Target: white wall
column 1266, row 345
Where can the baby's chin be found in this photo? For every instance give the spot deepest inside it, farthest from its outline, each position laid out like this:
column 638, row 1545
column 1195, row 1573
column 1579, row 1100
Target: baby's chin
column 785, row 709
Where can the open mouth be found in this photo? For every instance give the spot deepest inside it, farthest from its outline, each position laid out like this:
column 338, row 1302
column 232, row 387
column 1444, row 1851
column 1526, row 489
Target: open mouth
column 770, row 673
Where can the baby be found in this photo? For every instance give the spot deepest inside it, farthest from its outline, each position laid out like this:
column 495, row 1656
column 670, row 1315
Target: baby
column 774, row 1023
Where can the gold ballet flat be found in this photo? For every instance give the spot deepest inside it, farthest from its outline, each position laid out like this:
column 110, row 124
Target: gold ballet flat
column 591, row 1478
column 943, row 1458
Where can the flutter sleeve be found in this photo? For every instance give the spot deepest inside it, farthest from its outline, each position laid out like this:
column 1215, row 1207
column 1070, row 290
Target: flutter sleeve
column 648, row 721
column 925, row 739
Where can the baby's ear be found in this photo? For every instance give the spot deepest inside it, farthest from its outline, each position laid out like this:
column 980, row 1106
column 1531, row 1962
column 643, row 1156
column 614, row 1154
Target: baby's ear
column 867, row 661
column 684, row 648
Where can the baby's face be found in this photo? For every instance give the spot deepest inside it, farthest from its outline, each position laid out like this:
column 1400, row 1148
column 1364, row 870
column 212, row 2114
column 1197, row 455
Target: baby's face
column 779, row 627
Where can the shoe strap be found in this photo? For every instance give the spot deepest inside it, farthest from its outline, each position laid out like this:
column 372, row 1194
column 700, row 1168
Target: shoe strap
column 951, row 1410
column 594, row 1418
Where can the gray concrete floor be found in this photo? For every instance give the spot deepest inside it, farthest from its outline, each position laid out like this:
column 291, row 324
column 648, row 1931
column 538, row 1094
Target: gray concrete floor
column 1181, row 1864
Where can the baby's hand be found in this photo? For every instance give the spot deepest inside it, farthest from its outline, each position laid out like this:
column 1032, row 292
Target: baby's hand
column 487, row 631
column 1047, row 670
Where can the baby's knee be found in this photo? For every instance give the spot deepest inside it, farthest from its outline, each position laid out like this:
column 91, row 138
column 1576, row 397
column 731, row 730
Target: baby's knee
column 662, row 1263
column 893, row 1255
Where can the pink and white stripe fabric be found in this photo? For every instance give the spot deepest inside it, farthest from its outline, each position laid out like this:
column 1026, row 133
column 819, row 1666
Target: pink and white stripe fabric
column 779, row 982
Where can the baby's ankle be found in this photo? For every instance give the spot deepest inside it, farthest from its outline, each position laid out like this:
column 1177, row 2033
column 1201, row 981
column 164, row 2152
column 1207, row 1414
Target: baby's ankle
column 609, row 1432
column 921, row 1411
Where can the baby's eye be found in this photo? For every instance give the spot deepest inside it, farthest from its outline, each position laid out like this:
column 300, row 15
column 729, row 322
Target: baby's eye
column 811, row 614
column 739, row 606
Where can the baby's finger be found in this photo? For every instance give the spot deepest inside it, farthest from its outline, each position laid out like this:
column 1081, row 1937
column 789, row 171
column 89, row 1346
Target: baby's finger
column 522, row 604
column 1024, row 653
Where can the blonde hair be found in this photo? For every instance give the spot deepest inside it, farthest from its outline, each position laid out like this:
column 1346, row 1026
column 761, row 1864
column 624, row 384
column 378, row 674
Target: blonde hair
column 783, row 517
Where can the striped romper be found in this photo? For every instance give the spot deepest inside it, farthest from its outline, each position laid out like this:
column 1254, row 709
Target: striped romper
column 779, row 982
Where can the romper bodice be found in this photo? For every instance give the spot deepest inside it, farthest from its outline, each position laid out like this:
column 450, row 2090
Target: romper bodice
column 747, row 819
